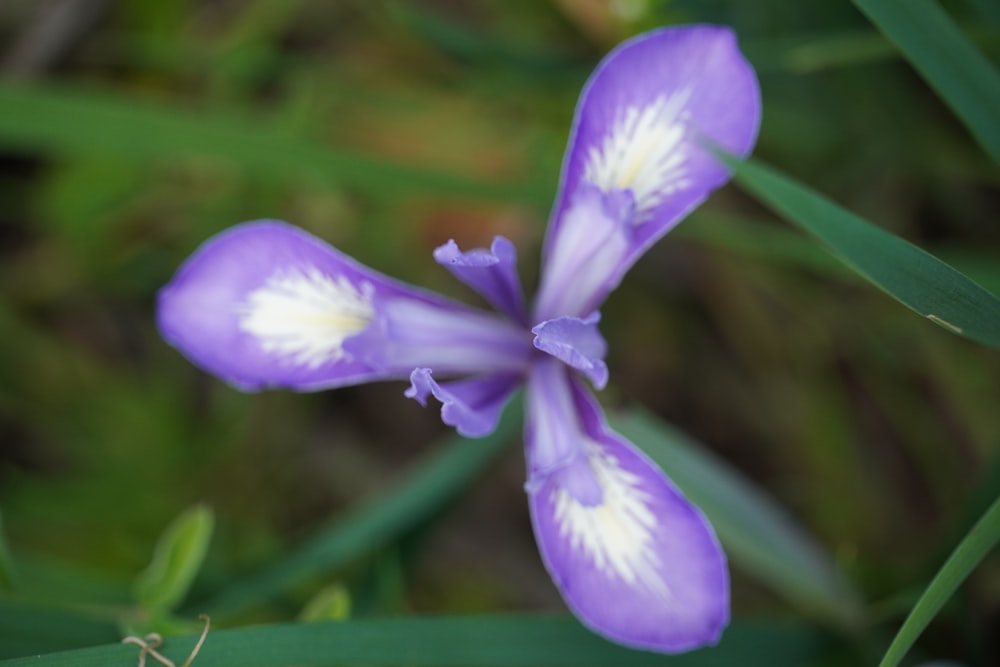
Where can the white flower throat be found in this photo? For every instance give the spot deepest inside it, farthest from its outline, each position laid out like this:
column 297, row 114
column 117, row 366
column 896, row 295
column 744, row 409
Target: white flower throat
column 644, row 152
column 304, row 315
column 617, row 533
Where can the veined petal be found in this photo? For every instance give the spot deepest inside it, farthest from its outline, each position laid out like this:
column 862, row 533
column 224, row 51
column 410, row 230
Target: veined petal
column 265, row 304
column 634, row 560
column 452, row 340
column 576, row 342
column 552, row 430
column 589, row 257
column 646, row 121
column 492, row 273
column 471, row 405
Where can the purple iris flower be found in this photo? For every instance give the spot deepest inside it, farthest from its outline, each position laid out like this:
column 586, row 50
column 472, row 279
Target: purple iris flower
column 265, row 304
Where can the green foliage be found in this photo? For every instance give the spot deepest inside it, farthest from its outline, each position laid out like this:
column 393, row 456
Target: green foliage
column 967, row 556
column 179, row 554
column 489, row 641
column 915, row 278
column 32, row 629
column 932, row 42
column 332, row 603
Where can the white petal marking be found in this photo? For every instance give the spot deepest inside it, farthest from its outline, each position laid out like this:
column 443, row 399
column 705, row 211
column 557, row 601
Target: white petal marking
column 304, row 315
column 617, row 534
column 645, row 152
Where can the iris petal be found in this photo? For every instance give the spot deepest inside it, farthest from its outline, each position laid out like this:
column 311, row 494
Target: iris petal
column 576, row 342
column 455, row 340
column 265, row 304
column 472, row 405
column 634, row 560
column 492, row 273
column 646, row 123
column 588, row 259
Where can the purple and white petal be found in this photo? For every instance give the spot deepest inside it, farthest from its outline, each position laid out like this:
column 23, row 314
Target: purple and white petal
column 645, row 123
column 265, row 304
column 551, row 427
column 492, row 273
column 456, row 340
column 589, row 257
column 472, row 405
column 634, row 560
column 577, row 342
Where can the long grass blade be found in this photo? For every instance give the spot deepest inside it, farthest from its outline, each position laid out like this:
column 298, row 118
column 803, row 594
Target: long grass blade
column 32, row 628
column 967, row 555
column 912, row 276
column 951, row 65
column 469, row 641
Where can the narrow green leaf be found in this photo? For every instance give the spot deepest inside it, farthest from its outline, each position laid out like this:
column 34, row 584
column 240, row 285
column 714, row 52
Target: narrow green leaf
column 29, row 628
column 470, row 641
column 912, row 276
column 963, row 560
column 757, row 535
column 66, row 121
column 437, row 482
column 7, row 575
column 179, row 554
column 777, row 245
column 952, row 66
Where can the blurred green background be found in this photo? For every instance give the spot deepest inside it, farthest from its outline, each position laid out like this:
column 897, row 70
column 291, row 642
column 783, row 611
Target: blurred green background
column 131, row 131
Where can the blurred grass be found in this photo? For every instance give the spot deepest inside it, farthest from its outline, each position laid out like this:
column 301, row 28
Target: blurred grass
column 387, row 128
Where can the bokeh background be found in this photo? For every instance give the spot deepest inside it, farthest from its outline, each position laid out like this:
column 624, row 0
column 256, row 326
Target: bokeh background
column 131, row 131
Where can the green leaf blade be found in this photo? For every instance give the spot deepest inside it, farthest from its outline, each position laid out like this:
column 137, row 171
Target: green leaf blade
column 963, row 560
column 28, row 628
column 912, row 276
column 951, row 65
column 468, row 641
